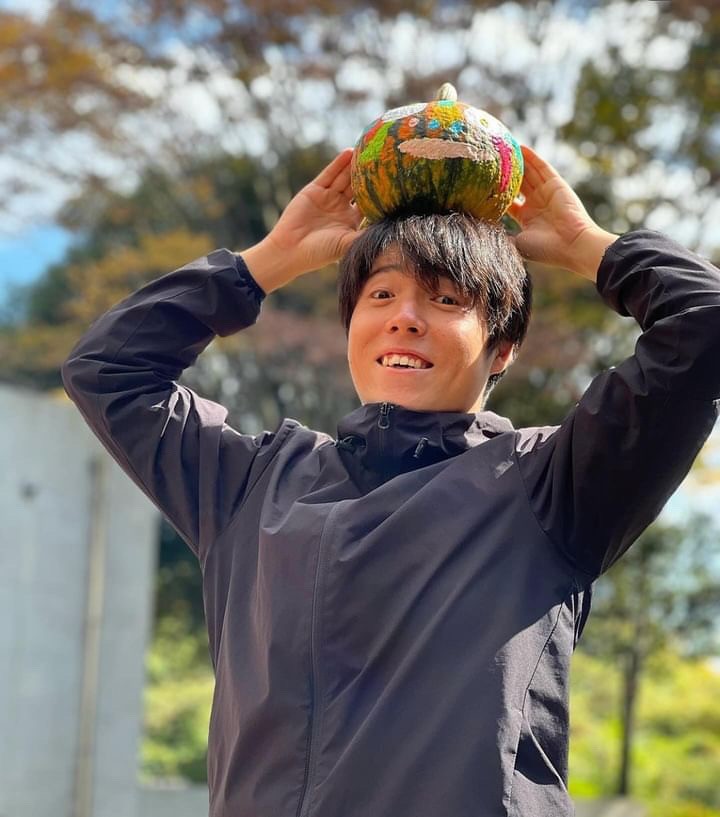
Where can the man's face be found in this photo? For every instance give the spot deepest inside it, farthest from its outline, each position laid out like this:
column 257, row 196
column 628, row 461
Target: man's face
column 395, row 315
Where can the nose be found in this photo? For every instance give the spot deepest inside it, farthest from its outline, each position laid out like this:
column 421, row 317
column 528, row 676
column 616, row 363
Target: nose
column 406, row 317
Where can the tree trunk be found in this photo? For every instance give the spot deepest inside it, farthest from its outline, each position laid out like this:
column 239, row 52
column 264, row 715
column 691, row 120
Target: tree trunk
column 631, row 676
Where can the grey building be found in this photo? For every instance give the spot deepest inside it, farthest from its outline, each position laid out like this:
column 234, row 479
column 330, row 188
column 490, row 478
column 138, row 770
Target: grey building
column 77, row 560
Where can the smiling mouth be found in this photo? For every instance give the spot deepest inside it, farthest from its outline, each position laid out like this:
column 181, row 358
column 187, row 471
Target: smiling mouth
column 405, row 367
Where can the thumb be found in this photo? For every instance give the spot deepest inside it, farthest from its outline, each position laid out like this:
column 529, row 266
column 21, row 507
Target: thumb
column 347, row 241
column 529, row 245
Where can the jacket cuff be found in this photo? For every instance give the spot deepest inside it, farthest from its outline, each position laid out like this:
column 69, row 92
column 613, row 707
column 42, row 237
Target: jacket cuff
column 246, row 277
column 617, row 262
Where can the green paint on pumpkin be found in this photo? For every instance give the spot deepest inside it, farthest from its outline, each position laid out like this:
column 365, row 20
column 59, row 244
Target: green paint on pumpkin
column 372, row 150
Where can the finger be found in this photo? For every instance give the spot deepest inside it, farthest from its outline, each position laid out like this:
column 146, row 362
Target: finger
column 343, row 185
column 537, row 166
column 528, row 185
column 349, row 192
column 341, row 182
column 329, row 174
column 532, row 176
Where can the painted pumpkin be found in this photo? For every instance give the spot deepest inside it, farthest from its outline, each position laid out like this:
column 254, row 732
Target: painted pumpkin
column 436, row 157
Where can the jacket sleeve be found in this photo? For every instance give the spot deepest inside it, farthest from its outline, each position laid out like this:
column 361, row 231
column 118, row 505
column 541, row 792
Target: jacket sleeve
column 174, row 444
column 600, row 478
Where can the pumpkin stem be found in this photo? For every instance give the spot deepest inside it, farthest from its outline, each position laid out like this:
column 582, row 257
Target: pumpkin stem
column 447, row 91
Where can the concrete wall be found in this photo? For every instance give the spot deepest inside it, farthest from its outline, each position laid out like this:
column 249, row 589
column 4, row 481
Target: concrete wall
column 172, row 801
column 77, row 560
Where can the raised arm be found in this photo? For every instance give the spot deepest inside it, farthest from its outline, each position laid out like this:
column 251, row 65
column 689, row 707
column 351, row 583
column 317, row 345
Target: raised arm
column 122, row 374
column 601, row 477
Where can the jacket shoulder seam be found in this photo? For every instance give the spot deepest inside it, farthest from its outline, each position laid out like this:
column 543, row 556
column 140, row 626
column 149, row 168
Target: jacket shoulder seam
column 284, row 430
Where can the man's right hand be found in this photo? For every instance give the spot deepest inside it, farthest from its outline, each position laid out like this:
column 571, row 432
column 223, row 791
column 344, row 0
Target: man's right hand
column 316, row 228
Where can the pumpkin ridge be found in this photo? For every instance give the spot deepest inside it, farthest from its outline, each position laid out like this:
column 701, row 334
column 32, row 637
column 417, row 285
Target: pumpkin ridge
column 401, row 177
column 455, row 172
column 376, row 200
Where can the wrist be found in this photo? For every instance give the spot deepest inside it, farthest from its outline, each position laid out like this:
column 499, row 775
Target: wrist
column 589, row 250
column 268, row 265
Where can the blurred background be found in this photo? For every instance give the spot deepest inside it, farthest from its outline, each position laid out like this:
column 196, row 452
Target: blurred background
column 137, row 135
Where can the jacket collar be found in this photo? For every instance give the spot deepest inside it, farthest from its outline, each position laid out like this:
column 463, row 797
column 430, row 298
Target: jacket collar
column 391, row 439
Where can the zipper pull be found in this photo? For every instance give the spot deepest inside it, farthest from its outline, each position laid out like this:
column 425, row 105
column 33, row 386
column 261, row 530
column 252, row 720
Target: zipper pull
column 420, row 447
column 385, row 409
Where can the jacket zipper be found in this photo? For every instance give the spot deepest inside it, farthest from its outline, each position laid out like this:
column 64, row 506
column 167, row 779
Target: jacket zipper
column 304, row 802
column 384, row 424
column 384, row 421
column 303, row 806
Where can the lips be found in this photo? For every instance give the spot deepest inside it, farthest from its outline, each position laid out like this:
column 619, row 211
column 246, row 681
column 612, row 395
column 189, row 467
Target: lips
column 398, row 350
column 393, row 357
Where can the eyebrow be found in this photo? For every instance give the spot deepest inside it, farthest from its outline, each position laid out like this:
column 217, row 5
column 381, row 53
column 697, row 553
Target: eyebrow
column 384, row 268
column 398, row 268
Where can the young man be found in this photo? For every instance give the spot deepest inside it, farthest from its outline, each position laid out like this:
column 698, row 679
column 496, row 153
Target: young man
column 392, row 614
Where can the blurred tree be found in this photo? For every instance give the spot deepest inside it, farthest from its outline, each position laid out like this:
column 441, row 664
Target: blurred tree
column 271, row 76
column 676, row 760
column 646, row 124
column 664, row 593
column 129, row 239
column 61, row 76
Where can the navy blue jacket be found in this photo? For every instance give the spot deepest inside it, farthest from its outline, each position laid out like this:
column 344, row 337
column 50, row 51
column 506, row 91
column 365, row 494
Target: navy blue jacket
column 391, row 624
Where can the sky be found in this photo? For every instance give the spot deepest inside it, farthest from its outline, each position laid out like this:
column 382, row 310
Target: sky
column 24, row 256
column 26, row 253
column 35, row 8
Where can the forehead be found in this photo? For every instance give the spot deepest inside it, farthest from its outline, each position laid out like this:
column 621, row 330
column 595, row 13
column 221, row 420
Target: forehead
column 390, row 259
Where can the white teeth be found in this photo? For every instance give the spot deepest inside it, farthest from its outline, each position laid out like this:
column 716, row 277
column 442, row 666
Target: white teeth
column 404, row 360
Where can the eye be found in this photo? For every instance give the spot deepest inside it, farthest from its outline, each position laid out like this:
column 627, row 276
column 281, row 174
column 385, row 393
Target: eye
column 453, row 301
column 379, row 294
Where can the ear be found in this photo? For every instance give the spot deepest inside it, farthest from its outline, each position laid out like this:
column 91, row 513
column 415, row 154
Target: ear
column 502, row 356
